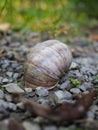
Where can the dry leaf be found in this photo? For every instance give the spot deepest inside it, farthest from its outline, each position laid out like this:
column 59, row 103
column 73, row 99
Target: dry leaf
column 14, row 125
column 4, row 27
column 2, row 53
column 65, row 112
column 94, row 37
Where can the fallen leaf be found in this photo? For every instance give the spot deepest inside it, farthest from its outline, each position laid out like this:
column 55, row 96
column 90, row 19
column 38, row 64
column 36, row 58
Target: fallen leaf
column 2, row 53
column 65, row 112
column 14, row 125
column 4, row 27
column 94, row 37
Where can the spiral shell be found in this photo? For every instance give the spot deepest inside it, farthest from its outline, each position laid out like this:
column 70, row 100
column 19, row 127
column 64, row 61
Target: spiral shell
column 46, row 63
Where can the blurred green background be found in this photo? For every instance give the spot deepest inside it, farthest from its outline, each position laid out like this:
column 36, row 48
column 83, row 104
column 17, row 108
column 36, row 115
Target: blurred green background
column 55, row 16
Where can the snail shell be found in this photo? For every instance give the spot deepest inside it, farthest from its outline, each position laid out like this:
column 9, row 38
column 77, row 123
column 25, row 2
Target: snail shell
column 46, row 63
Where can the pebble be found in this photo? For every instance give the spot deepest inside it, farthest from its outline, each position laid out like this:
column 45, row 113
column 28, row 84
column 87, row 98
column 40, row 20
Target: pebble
column 20, row 105
column 64, row 85
column 13, row 88
column 29, row 126
column 15, row 75
column 87, row 86
column 82, row 88
column 41, row 91
column 8, row 97
column 9, row 74
column 28, row 90
column 5, row 80
column 10, row 56
column 3, row 105
column 90, row 114
column 73, row 65
column 1, row 94
column 1, row 78
column 12, row 106
column 43, row 101
column 75, row 90
column 60, row 95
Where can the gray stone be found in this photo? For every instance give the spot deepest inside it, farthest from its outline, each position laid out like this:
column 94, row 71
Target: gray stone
column 29, row 126
column 41, row 91
column 87, row 86
column 90, row 114
column 9, row 74
column 65, row 84
column 43, row 101
column 8, row 97
column 3, row 105
column 10, row 56
column 20, row 105
column 13, row 88
column 5, row 80
column 75, row 90
column 60, row 95
column 73, row 65
column 12, row 106
column 82, row 87
column 1, row 94
column 1, row 78
column 15, row 65
column 28, row 90
column 15, row 75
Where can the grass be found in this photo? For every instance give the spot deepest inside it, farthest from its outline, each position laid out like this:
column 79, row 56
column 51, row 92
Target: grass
column 55, row 16
column 75, row 82
column 96, row 76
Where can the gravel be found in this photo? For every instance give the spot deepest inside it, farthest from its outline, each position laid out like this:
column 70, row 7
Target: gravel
column 84, row 69
column 13, row 88
column 75, row 91
column 41, row 91
column 64, row 85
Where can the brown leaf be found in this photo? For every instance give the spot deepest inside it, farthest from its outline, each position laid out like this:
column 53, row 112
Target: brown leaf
column 2, row 53
column 66, row 112
column 14, row 125
column 94, row 37
column 4, row 26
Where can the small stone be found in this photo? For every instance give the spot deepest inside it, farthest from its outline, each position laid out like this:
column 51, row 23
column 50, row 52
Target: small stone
column 73, row 65
column 20, row 105
column 9, row 74
column 8, row 97
column 29, row 126
column 43, row 101
column 15, row 65
column 60, row 95
column 87, row 86
column 41, row 91
column 82, row 88
column 90, row 114
column 28, row 90
column 12, row 106
column 5, row 80
column 10, row 56
column 65, row 84
column 1, row 94
column 1, row 78
column 15, row 75
column 3, row 105
column 75, row 90
column 13, row 88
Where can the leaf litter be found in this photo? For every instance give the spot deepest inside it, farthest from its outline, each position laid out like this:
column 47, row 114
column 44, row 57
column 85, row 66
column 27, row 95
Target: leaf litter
column 65, row 112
